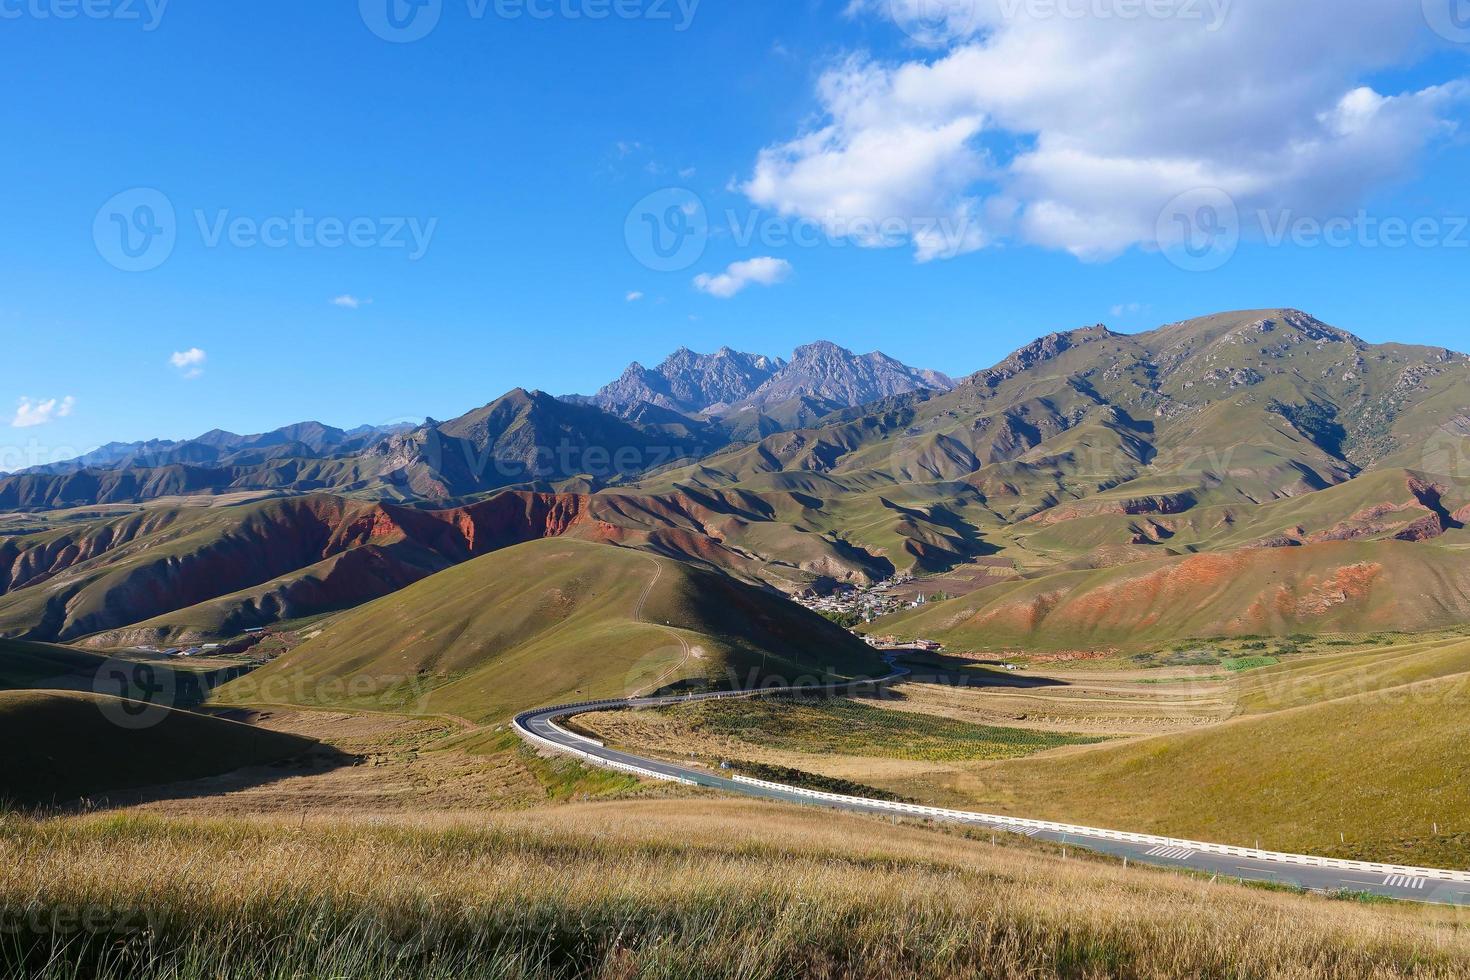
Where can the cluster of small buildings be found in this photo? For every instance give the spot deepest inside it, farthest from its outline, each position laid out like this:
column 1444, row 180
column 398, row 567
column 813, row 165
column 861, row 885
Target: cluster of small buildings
column 195, row 651
column 864, row 604
column 894, row 643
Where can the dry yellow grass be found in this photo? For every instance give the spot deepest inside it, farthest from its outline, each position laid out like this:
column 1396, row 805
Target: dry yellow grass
column 654, row 889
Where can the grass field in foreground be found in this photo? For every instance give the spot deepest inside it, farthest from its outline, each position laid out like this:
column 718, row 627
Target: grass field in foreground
column 698, row 888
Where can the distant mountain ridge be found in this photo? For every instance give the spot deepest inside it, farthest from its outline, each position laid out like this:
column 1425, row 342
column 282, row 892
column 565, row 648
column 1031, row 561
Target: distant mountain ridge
column 690, row 382
column 1084, row 457
column 820, row 378
column 218, row 447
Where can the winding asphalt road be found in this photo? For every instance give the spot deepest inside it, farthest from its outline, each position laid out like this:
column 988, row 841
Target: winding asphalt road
column 540, row 726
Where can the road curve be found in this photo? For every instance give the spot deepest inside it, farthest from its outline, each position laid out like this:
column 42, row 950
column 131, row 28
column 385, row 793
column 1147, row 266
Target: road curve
column 1427, row 885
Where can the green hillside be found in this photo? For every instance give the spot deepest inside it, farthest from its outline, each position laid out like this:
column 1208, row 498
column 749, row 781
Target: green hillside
column 1366, row 777
column 1084, row 451
column 62, row 746
column 550, row 621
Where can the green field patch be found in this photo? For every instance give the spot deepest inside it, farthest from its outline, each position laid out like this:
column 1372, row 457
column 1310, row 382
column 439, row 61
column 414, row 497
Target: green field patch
column 1241, row 664
column 846, row 727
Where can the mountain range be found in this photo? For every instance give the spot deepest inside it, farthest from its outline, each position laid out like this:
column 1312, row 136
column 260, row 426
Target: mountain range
column 640, row 423
column 1091, row 488
column 753, row 393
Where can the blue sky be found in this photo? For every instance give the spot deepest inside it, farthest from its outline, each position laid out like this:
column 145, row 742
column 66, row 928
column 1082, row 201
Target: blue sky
column 517, row 146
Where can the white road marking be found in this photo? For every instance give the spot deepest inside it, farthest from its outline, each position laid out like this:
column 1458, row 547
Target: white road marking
column 1405, row 881
column 1172, row 853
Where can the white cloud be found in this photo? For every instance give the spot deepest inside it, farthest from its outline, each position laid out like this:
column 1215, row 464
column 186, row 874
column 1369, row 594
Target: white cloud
column 1073, row 130
column 190, row 362
column 634, row 296
column 349, row 302
column 32, row 413
column 764, row 271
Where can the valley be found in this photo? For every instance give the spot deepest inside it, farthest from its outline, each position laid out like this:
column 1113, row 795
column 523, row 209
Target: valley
column 1191, row 584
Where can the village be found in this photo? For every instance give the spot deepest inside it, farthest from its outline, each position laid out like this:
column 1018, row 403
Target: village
column 851, row 606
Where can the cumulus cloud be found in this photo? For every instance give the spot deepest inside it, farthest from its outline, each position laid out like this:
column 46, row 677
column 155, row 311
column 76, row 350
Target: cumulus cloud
column 1070, row 125
column 764, row 271
column 349, row 302
column 31, row 412
column 189, row 362
column 634, row 296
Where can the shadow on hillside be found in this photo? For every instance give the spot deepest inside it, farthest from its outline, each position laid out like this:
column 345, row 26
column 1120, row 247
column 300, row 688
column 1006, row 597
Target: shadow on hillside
column 936, row 668
column 321, row 758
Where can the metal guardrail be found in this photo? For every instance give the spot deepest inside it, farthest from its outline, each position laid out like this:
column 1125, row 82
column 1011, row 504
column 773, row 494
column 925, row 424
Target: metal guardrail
column 531, row 736
column 937, row 813
column 965, row 816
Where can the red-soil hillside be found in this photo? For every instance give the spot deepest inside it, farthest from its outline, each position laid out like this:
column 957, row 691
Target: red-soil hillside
column 1334, row 587
column 186, row 573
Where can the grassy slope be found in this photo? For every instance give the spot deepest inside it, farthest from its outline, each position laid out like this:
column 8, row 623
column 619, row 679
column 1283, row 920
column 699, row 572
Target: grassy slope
column 60, row 746
column 29, row 665
column 1378, row 768
column 548, row 621
column 663, row 888
column 1337, row 587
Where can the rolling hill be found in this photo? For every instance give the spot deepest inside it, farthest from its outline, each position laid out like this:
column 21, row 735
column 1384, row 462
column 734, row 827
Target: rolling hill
column 1088, row 464
column 61, row 746
column 555, row 620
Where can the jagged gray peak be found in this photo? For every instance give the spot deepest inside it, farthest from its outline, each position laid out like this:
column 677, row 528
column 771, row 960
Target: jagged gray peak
column 690, row 382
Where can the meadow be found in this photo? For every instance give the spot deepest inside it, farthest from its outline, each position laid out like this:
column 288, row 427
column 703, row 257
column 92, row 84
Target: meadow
column 666, row 888
column 820, row 725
